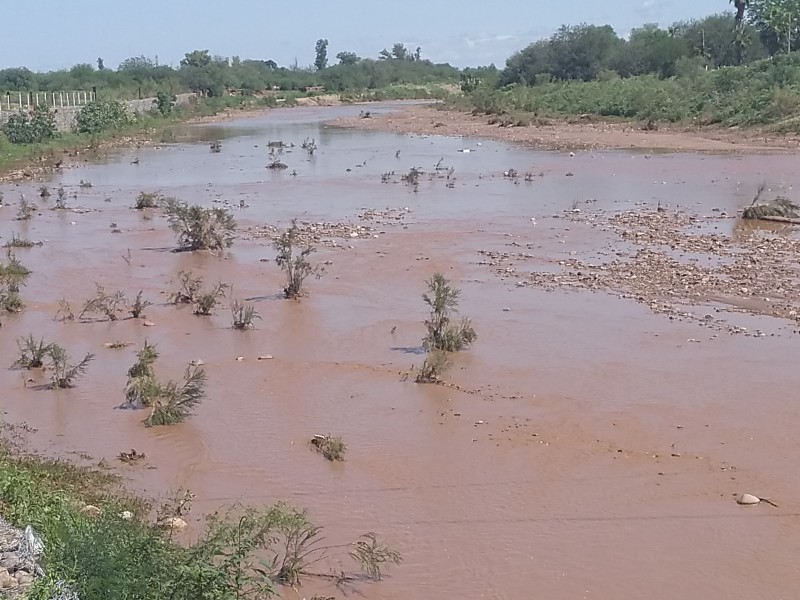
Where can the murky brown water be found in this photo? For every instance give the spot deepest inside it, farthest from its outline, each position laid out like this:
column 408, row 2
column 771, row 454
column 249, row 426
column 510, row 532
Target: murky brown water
column 567, row 488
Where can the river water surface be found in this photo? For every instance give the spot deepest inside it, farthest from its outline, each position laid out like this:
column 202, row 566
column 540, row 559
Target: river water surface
column 591, row 452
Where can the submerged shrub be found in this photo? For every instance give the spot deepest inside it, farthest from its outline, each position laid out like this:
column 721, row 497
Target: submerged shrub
column 32, row 352
column 293, row 260
column 174, row 402
column 200, row 228
column 442, row 334
column 63, row 373
column 332, row 448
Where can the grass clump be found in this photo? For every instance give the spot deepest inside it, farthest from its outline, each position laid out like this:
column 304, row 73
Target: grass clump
column 13, row 275
column 199, row 228
column 169, row 402
column 188, row 290
column 32, row 352
column 103, row 304
column 148, row 200
column 332, row 448
column 243, row 315
column 442, row 334
column 18, row 242
column 139, row 305
column 433, row 367
column 176, row 401
column 44, row 192
column 26, row 209
column 206, row 301
column 62, row 373
column 292, row 258
column 64, row 312
column 61, row 198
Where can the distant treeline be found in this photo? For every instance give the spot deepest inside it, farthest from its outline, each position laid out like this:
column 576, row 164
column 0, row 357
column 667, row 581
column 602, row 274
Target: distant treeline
column 209, row 75
column 591, row 52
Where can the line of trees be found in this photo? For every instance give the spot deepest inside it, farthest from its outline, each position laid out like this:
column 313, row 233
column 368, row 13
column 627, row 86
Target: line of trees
column 200, row 71
column 756, row 30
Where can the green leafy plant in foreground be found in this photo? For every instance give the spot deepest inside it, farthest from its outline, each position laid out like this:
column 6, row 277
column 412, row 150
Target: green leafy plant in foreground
column 244, row 552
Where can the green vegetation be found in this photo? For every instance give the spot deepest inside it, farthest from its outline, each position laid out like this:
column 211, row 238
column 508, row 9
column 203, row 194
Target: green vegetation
column 332, row 448
column 18, row 242
column 13, row 275
column 32, row 352
column 26, row 209
column 103, row 304
column 433, row 367
column 169, row 402
column 148, row 200
column 206, row 301
column 114, row 552
column 243, row 315
column 293, row 259
column 34, row 128
column 62, row 372
column 188, row 290
column 102, row 115
column 716, row 70
column 442, row 334
column 200, row 228
column 139, row 305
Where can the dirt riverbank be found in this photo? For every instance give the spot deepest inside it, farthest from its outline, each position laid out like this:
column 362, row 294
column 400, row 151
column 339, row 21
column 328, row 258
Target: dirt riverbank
column 574, row 135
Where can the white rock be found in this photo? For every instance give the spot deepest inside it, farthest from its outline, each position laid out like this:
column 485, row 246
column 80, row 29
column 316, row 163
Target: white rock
column 91, row 511
column 748, row 500
column 126, row 515
column 175, row 524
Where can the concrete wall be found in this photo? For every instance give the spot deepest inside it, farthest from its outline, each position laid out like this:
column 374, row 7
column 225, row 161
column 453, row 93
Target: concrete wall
column 66, row 115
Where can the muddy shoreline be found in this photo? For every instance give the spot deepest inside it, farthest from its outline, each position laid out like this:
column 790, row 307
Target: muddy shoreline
column 577, row 134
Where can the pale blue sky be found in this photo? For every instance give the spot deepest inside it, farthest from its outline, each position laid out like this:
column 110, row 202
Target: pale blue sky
column 48, row 34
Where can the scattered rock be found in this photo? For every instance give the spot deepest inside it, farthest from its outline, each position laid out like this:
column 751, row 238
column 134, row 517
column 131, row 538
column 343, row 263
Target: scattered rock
column 748, row 499
column 175, row 524
column 91, row 511
column 265, row 357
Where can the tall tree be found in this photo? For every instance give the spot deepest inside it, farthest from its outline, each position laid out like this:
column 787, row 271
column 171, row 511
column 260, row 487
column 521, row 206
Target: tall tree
column 781, row 16
column 347, row 58
column 196, row 58
column 321, row 54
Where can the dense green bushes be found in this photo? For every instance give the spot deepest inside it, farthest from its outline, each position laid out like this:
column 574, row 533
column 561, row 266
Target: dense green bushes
column 765, row 92
column 102, row 115
column 34, row 128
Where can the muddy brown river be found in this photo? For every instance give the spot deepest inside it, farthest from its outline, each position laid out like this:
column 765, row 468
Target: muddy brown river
column 592, row 450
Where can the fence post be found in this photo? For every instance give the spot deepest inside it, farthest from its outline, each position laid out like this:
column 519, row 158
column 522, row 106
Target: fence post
column 61, row 99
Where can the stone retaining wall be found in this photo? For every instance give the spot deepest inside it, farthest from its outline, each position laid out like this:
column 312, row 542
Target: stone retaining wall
column 66, row 115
